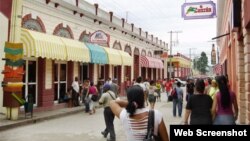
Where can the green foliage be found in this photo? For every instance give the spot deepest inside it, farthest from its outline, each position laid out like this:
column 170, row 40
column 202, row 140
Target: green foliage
column 202, row 63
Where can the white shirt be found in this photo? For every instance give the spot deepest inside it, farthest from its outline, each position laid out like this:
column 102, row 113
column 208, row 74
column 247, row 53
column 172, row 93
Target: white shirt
column 136, row 130
column 141, row 85
column 147, row 84
column 75, row 86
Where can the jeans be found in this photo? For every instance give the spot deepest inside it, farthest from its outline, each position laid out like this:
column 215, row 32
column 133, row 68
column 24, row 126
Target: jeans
column 224, row 120
column 177, row 103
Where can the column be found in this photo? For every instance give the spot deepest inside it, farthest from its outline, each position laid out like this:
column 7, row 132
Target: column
column 240, row 83
column 3, row 38
column 15, row 34
column 246, row 97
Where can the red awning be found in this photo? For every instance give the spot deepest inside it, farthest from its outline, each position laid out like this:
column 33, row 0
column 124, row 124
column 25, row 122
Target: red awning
column 150, row 62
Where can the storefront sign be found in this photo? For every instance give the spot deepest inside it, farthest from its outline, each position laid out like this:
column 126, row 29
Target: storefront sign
column 198, row 10
column 100, row 37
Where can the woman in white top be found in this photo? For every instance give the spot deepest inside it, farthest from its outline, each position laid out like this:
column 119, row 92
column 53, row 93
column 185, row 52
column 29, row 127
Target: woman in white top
column 134, row 117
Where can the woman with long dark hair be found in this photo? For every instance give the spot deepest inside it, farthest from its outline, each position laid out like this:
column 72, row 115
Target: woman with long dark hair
column 225, row 107
column 134, row 116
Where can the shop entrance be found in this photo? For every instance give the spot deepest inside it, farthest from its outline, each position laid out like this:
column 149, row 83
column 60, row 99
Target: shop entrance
column 30, row 80
column 60, row 81
column 84, row 72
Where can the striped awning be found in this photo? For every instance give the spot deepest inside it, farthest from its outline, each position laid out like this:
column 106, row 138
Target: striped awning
column 97, row 53
column 38, row 44
column 114, row 57
column 150, row 62
column 76, row 51
column 127, row 60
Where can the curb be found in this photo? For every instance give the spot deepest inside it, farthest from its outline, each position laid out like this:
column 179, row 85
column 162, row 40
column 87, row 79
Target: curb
column 37, row 119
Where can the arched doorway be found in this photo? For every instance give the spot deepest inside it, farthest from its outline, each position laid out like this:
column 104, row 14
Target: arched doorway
column 62, row 70
column 117, row 69
column 84, row 70
column 31, row 80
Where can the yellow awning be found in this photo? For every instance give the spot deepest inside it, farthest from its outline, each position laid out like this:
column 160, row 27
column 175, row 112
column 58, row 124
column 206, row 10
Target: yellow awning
column 114, row 56
column 76, row 51
column 36, row 44
column 127, row 60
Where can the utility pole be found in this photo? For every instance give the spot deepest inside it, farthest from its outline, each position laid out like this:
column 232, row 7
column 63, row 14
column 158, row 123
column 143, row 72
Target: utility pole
column 190, row 56
column 126, row 16
column 171, row 56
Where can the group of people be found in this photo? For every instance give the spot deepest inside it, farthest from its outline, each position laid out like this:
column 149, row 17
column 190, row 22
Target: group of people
column 212, row 103
column 132, row 112
column 88, row 93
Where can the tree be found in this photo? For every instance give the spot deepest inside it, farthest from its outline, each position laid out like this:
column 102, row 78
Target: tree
column 202, row 63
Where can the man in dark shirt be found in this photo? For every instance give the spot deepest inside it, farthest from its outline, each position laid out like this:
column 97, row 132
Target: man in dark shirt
column 190, row 89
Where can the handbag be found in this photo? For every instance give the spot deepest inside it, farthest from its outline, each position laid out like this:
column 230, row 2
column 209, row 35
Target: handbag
column 150, row 130
column 94, row 97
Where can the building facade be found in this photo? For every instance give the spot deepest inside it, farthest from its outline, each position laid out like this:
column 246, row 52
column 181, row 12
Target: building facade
column 181, row 66
column 234, row 45
column 72, row 38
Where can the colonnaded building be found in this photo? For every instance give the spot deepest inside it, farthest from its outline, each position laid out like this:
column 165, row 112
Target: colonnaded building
column 63, row 39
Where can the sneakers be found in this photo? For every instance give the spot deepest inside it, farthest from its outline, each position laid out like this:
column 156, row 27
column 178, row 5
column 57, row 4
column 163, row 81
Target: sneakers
column 104, row 134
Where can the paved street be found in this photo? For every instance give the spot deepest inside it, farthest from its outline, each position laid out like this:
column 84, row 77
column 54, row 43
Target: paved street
column 77, row 127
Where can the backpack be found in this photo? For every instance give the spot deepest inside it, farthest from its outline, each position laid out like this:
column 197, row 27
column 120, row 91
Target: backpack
column 174, row 93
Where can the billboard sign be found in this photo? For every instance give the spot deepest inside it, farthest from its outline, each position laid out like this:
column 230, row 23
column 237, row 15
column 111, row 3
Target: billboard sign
column 198, row 10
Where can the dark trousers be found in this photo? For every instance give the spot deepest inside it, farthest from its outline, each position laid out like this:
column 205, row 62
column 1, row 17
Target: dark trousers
column 109, row 121
column 75, row 99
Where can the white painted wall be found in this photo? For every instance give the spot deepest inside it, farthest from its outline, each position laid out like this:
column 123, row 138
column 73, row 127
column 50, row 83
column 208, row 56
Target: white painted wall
column 52, row 16
column 76, row 70
column 48, row 72
column 3, row 39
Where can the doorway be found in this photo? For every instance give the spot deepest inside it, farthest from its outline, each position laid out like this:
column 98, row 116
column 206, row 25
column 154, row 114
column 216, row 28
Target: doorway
column 60, row 81
column 30, row 80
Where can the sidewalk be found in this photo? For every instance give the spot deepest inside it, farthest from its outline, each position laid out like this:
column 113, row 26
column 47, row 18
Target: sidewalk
column 6, row 124
column 37, row 117
column 165, row 107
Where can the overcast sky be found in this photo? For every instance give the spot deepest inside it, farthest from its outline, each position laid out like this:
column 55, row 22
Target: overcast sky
column 159, row 17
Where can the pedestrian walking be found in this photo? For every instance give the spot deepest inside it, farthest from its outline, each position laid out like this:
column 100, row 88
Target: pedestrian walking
column 213, row 89
column 147, row 85
column 190, row 89
column 105, row 99
column 133, row 114
column 75, row 92
column 199, row 105
column 92, row 96
column 225, row 106
column 178, row 100
column 85, row 100
column 168, row 87
column 158, row 90
column 114, row 87
column 152, row 94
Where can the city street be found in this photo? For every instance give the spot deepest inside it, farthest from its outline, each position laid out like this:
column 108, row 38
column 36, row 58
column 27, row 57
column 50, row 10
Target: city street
column 78, row 127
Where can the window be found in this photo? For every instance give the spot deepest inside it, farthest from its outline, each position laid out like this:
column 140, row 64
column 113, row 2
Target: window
column 60, row 81
column 30, row 80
